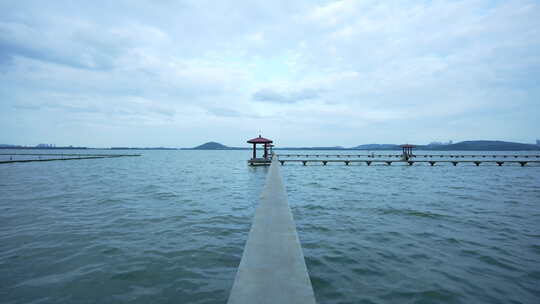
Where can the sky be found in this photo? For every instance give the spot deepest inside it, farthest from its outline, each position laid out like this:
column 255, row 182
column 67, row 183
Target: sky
column 303, row 73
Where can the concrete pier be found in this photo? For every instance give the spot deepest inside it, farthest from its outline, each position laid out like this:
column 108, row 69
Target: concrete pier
column 412, row 155
column 272, row 269
column 389, row 162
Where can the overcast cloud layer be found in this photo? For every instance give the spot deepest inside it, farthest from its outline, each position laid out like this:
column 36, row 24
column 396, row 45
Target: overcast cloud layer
column 305, row 73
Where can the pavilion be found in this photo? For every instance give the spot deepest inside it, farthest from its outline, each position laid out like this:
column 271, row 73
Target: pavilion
column 407, row 151
column 265, row 160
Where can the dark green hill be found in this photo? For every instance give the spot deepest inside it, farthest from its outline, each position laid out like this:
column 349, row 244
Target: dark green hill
column 212, row 145
column 487, row 145
column 470, row 145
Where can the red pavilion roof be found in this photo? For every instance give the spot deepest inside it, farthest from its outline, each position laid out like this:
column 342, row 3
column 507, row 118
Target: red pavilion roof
column 408, row 146
column 259, row 140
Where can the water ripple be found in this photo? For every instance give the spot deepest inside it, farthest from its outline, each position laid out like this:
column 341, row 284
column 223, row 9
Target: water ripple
column 171, row 226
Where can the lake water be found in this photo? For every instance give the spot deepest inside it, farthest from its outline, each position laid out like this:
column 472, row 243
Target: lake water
column 170, row 226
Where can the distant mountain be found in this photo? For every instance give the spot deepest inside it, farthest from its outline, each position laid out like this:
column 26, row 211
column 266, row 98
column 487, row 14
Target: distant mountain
column 212, row 145
column 377, row 147
column 471, row 145
column 9, row 146
column 484, row 145
column 312, row 148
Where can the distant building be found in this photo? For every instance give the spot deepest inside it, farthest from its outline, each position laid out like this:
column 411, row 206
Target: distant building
column 450, row 142
column 45, row 146
column 538, row 142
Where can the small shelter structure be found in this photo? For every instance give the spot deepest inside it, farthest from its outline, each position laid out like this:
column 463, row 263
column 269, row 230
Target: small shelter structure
column 407, row 151
column 267, row 143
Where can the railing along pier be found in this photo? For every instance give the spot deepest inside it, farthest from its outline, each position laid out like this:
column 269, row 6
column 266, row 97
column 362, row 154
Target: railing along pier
column 373, row 155
column 389, row 162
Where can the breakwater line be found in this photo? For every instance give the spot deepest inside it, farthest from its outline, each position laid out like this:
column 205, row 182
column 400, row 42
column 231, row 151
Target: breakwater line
column 55, row 157
column 272, row 268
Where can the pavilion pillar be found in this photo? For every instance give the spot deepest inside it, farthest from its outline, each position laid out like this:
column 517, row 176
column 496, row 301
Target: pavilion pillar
column 260, row 141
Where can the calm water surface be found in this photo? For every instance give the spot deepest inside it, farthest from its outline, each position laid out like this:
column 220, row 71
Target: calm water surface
column 170, row 226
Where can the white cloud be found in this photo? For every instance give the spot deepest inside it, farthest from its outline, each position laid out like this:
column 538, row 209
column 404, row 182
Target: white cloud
column 406, row 65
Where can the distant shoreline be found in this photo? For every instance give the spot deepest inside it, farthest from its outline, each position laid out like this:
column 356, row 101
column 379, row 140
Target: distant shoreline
column 259, row 149
column 477, row 145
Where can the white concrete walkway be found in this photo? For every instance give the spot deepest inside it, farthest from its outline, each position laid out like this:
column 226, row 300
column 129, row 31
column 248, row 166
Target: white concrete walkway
column 272, row 269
